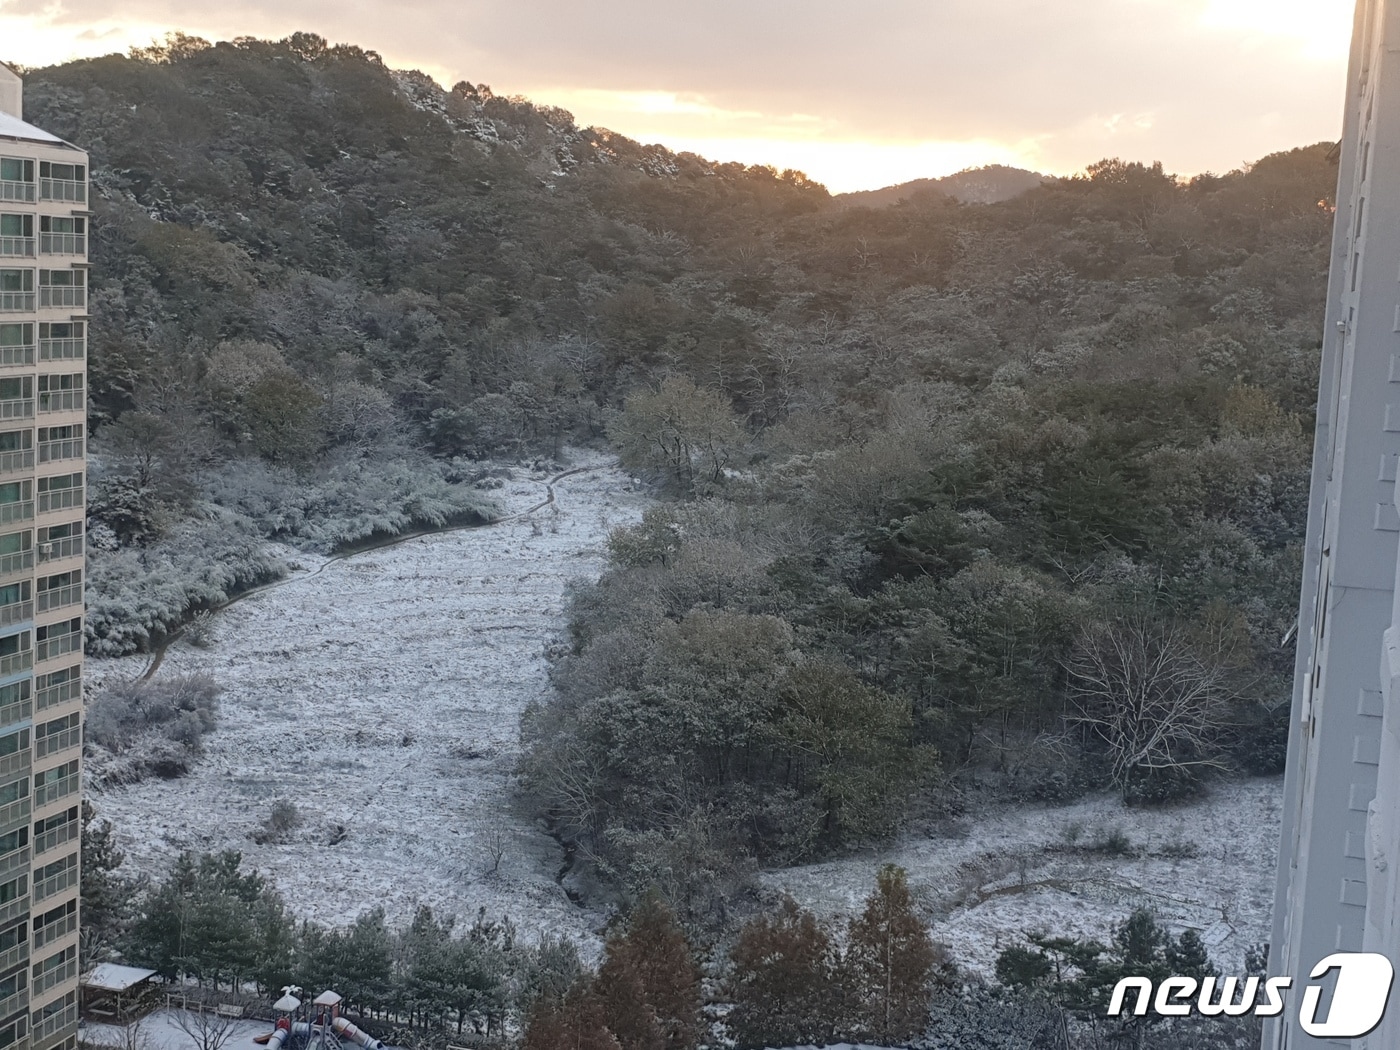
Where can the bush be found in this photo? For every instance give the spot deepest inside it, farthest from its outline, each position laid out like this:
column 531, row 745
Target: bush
column 141, row 728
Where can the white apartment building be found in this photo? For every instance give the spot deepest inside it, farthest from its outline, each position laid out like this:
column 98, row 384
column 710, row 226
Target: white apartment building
column 43, row 378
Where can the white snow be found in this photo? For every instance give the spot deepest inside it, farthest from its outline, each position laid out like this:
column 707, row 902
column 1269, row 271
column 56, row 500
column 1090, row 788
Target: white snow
column 1011, row 869
column 383, row 693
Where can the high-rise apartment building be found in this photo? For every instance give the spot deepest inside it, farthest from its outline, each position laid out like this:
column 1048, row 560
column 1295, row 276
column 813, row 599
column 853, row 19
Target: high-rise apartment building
column 1337, row 884
column 43, row 361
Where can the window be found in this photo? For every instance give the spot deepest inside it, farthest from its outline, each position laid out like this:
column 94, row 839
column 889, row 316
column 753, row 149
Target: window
column 14, row 742
column 44, row 730
column 13, row 793
column 16, row 280
column 15, row 934
column 18, row 386
column 65, row 381
column 11, row 983
column 62, row 278
column 56, row 868
column 60, row 224
column 60, row 433
column 16, row 334
column 14, row 889
column 16, row 225
column 60, row 532
column 68, row 172
column 15, row 492
column 16, row 440
column 14, row 592
column 9, row 645
column 61, row 330
column 14, row 542
column 8, row 844
column 15, row 692
column 14, row 169
column 60, row 482
column 53, row 823
column 55, row 775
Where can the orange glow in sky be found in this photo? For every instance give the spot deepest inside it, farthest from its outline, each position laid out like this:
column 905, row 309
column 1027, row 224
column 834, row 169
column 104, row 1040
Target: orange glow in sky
column 1198, row 84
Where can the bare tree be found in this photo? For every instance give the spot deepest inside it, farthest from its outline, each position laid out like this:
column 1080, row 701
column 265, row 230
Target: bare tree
column 1156, row 696
column 208, row 1029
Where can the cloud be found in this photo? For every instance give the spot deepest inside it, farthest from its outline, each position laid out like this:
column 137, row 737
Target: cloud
column 1198, row 84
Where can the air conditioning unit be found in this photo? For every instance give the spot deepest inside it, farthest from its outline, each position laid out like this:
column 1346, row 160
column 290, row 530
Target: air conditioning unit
column 46, row 550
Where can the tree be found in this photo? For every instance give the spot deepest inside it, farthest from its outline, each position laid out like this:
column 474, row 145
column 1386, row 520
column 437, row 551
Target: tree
column 649, row 983
column 577, row 1022
column 107, row 896
column 891, row 960
column 1155, row 697
column 685, row 431
column 208, row 1030
column 783, row 982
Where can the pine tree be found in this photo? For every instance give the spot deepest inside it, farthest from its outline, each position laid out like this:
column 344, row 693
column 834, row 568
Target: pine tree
column 782, row 983
column 649, row 983
column 891, row 960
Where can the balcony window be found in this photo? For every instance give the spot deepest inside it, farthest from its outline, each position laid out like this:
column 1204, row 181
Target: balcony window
column 62, row 341
column 16, row 179
column 16, row 551
column 57, row 443
column 60, row 590
column 17, row 397
column 61, row 392
column 16, row 290
column 58, row 735
column 60, row 541
column 16, row 501
column 63, row 289
column 17, row 344
column 60, row 492
column 62, row 235
column 62, row 182
column 13, row 792
column 58, row 687
column 54, row 784
column 56, row 639
column 17, row 235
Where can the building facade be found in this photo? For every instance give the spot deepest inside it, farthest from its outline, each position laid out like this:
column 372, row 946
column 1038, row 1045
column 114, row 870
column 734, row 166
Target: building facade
column 43, row 379
column 1341, row 827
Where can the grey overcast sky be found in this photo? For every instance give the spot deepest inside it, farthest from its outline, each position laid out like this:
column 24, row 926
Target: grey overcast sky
column 858, row 95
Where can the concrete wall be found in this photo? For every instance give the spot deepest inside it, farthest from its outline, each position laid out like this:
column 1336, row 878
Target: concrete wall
column 11, row 92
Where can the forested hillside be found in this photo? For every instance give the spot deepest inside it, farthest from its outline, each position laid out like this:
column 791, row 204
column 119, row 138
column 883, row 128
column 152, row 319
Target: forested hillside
column 1005, row 495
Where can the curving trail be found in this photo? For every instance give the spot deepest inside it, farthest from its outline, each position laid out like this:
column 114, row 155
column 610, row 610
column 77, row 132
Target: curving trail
column 381, row 693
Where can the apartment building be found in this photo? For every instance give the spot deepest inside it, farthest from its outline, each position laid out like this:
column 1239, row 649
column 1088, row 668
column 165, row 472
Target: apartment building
column 1337, row 885
column 43, row 332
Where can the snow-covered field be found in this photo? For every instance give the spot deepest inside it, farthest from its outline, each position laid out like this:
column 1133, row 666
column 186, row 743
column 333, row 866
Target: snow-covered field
column 382, row 695
column 1208, row 866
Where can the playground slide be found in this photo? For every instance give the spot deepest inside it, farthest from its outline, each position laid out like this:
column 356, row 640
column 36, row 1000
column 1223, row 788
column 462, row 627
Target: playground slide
column 348, row 1031
column 343, row 1028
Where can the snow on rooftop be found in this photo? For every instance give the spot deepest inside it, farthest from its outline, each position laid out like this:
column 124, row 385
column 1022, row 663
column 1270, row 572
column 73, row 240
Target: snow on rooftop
column 109, row 977
column 13, row 128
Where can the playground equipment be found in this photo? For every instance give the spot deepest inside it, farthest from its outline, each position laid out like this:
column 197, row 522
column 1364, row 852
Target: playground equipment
column 317, row 1026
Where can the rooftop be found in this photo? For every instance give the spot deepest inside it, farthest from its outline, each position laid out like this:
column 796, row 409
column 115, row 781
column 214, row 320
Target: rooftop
column 14, row 128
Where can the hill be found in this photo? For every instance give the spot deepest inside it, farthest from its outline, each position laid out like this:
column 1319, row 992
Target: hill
column 990, row 184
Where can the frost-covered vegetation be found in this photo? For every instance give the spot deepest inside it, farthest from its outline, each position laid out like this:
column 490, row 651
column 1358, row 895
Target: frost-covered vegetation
column 141, row 590
column 137, row 728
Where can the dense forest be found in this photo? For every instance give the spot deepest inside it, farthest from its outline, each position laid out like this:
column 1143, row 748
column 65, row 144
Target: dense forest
column 957, row 500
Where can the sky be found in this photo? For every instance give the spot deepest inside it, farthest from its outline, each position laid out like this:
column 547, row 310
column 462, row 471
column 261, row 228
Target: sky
column 857, row 94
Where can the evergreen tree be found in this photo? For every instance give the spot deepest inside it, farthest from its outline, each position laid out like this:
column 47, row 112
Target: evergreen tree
column 649, row 983
column 577, row 1022
column 782, row 983
column 891, row 960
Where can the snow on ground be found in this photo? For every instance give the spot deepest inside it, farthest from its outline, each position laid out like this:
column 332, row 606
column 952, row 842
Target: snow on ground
column 1208, row 865
column 161, row 1031
column 381, row 693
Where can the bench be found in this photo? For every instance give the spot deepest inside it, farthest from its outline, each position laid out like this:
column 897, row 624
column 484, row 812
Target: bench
column 232, row 1010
